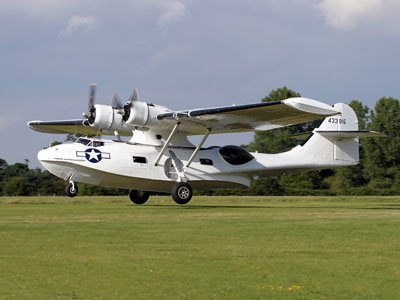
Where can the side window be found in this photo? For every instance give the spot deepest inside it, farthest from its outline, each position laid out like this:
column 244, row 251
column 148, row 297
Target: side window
column 139, row 159
column 206, row 161
column 235, row 155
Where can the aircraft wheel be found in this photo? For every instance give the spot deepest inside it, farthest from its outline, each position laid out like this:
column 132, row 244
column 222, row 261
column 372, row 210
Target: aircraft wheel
column 139, row 197
column 182, row 193
column 71, row 190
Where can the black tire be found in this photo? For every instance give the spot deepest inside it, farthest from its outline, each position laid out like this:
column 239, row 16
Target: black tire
column 71, row 190
column 182, row 193
column 139, row 197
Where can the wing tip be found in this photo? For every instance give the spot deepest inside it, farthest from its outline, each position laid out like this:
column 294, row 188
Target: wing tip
column 311, row 106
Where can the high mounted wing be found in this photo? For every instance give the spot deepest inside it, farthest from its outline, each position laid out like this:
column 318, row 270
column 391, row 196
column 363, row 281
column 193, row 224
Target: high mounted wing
column 80, row 126
column 249, row 117
column 225, row 119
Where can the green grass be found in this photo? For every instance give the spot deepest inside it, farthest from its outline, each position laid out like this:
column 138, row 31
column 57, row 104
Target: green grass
column 212, row 248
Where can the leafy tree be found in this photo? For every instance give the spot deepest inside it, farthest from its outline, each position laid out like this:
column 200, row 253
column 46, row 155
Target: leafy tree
column 3, row 164
column 15, row 170
column 363, row 114
column 277, row 140
column 382, row 165
column 266, row 186
column 18, row 186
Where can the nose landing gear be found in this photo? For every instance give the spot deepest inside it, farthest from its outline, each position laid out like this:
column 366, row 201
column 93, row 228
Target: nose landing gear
column 71, row 190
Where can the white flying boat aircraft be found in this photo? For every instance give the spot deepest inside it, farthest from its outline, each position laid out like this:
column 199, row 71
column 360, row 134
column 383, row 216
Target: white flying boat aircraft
column 160, row 158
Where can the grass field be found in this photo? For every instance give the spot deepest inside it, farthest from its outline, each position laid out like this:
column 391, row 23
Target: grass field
column 212, row 248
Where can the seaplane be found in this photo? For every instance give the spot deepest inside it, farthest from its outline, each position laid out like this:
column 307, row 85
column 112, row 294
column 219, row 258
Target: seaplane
column 159, row 157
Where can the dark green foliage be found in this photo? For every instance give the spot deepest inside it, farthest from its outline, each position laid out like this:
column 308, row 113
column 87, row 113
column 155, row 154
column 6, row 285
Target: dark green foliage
column 19, row 180
column 382, row 156
column 266, row 186
column 277, row 140
column 3, row 164
column 18, row 186
column 94, row 190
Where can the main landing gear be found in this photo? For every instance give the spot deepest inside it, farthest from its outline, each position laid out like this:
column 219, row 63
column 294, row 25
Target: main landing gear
column 71, row 190
column 181, row 192
column 139, row 196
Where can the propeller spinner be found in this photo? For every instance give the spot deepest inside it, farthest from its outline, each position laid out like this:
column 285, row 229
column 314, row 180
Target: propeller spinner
column 127, row 107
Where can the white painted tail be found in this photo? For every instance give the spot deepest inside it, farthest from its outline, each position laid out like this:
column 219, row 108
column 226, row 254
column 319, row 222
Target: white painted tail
column 335, row 142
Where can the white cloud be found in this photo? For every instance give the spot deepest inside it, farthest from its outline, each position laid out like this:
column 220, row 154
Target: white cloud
column 348, row 14
column 174, row 11
column 81, row 23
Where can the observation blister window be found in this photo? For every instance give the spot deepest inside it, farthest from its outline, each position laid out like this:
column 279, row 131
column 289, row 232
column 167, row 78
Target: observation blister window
column 235, row 155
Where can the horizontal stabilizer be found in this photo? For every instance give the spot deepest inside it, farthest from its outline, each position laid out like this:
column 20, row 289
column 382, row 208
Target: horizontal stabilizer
column 351, row 134
column 340, row 134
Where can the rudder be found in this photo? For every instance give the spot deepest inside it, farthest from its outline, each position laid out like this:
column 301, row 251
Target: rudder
column 331, row 144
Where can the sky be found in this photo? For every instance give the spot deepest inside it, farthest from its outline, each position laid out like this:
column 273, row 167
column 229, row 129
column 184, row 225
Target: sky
column 187, row 54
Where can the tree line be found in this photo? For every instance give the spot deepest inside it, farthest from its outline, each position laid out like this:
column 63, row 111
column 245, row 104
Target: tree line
column 377, row 174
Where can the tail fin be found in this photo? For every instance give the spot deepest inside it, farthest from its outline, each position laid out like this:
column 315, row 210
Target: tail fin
column 332, row 144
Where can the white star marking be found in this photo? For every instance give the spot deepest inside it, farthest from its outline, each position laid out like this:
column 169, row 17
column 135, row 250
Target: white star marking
column 94, row 155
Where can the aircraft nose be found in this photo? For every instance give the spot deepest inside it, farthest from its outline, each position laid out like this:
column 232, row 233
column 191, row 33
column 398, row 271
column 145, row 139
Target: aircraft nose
column 43, row 155
column 46, row 154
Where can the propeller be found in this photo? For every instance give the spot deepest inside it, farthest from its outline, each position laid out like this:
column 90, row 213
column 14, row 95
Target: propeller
column 116, row 101
column 135, row 95
column 91, row 114
column 92, row 94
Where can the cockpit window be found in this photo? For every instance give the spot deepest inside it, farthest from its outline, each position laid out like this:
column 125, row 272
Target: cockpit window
column 83, row 141
column 98, row 144
column 89, row 142
column 235, row 155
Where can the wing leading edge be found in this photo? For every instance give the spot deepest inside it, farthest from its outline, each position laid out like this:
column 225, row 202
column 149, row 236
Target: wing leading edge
column 249, row 117
column 80, row 126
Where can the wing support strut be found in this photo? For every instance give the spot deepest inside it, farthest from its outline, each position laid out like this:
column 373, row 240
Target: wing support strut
column 198, row 148
column 171, row 135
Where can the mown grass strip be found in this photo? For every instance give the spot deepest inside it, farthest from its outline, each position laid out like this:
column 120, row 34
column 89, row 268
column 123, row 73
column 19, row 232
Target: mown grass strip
column 213, row 248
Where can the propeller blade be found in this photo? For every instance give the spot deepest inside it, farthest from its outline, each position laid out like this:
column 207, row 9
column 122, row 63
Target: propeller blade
column 135, row 95
column 116, row 101
column 92, row 94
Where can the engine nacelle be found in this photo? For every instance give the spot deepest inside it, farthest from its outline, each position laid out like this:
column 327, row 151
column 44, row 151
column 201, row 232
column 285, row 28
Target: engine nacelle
column 136, row 113
column 105, row 117
column 142, row 114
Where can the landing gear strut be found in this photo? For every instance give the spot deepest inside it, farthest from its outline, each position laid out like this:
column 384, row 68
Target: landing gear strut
column 139, row 196
column 71, row 190
column 182, row 192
